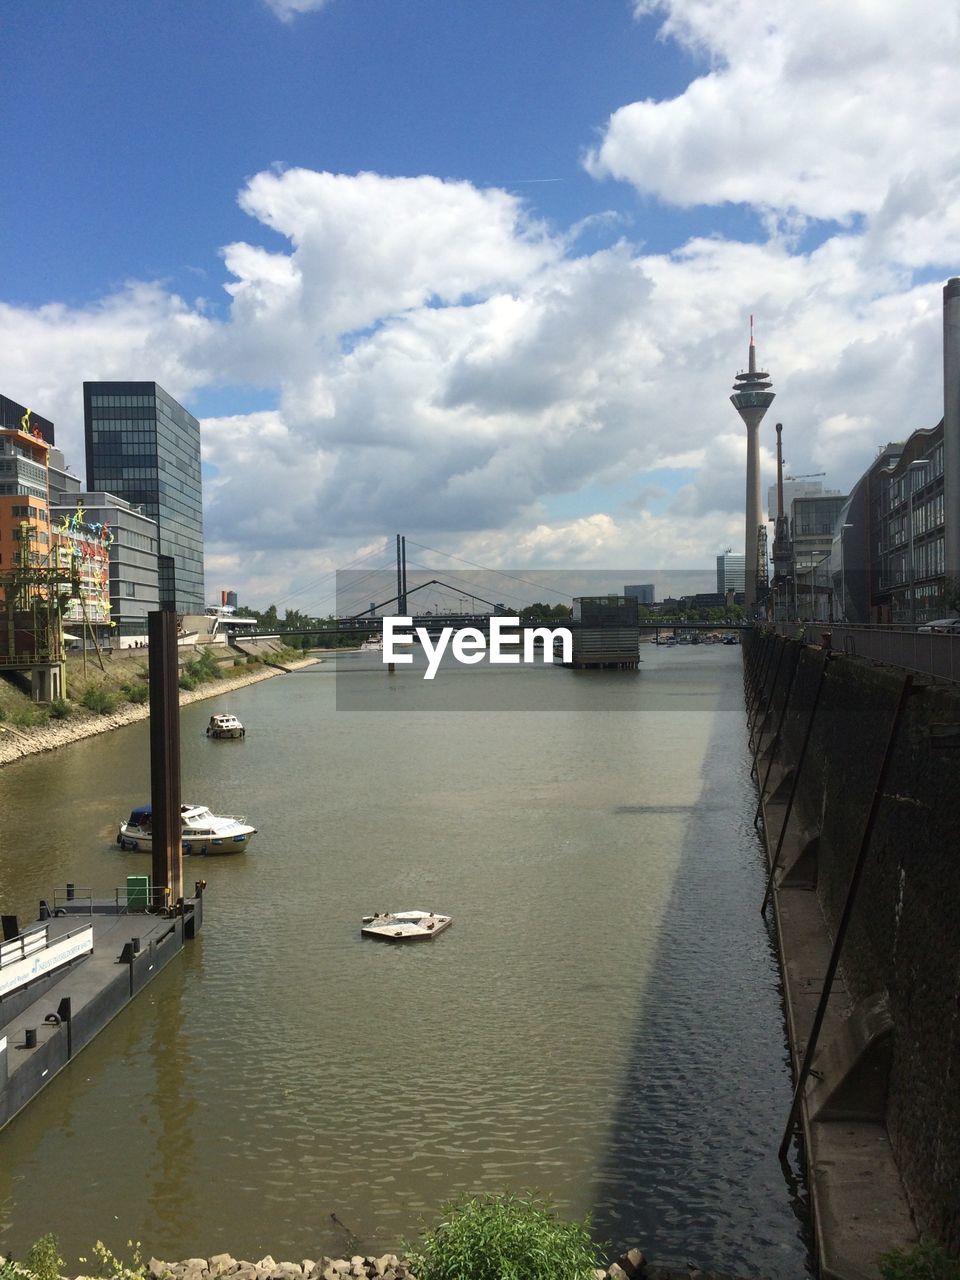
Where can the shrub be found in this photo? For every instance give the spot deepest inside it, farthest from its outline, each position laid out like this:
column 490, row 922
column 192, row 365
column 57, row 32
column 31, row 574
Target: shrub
column 43, row 1261
column 60, row 708
column 137, row 692
column 96, row 698
column 504, row 1238
column 920, row 1262
column 187, row 681
column 28, row 717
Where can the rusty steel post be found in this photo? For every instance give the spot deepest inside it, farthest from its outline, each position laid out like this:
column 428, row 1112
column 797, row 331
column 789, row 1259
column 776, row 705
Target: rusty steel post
column 165, row 755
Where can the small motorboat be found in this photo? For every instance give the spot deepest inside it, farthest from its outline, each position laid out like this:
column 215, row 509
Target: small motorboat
column 372, row 643
column 225, row 725
column 200, row 830
column 404, row 926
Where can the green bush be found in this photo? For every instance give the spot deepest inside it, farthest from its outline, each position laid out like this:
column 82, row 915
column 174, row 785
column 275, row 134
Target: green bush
column 187, row 681
column 135, row 692
column 920, row 1262
column 43, row 1260
column 60, row 708
column 504, row 1238
column 28, row 717
column 96, row 698
column 253, row 661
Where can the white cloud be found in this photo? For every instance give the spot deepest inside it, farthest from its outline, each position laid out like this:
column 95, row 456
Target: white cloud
column 446, row 365
column 824, row 110
column 287, row 10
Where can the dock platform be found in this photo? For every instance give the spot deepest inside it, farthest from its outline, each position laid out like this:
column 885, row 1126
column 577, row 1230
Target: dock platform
column 63, row 979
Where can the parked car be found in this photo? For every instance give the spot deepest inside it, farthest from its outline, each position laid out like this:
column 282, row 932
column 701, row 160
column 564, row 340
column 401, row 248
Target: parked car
column 950, row 625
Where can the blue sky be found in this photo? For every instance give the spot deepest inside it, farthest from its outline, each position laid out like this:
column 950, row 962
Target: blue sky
column 480, row 270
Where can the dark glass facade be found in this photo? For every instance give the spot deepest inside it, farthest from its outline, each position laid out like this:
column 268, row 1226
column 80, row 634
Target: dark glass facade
column 145, row 447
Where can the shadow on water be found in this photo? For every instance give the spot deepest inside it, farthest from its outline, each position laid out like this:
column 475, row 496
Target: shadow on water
column 691, row 1172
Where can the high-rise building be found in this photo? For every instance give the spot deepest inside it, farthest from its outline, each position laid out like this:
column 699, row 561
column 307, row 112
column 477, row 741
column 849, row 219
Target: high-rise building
column 752, row 397
column 730, row 572
column 642, row 593
column 145, row 447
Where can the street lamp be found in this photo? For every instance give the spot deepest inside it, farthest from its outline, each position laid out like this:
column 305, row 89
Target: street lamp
column 918, row 466
column 843, row 576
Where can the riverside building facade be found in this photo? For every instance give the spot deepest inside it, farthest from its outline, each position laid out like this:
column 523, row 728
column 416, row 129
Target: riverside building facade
column 145, row 447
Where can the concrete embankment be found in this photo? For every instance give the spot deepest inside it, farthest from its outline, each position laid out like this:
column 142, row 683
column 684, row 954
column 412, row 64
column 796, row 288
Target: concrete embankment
column 859, row 769
column 16, row 743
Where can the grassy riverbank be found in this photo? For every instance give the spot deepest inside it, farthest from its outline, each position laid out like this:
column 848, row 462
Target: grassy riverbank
column 106, row 692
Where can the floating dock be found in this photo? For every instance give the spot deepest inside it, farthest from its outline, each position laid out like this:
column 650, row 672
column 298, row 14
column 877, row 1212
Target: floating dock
column 65, row 977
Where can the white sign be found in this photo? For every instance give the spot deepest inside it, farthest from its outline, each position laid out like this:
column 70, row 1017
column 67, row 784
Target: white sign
column 470, row 645
column 57, row 953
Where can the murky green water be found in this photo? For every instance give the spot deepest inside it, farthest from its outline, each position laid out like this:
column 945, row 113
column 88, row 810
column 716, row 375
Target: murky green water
column 601, row 1023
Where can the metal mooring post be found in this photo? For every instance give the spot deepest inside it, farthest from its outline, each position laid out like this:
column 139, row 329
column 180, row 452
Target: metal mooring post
column 776, row 736
column 165, row 753
column 855, row 877
column 775, row 861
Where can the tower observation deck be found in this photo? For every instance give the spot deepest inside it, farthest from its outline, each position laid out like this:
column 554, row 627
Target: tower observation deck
column 752, row 397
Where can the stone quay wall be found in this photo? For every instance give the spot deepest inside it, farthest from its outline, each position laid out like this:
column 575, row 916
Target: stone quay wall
column 903, row 939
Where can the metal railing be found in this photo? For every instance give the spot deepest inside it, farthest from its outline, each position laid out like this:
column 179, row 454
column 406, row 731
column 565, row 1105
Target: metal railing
column 78, row 901
column 929, row 653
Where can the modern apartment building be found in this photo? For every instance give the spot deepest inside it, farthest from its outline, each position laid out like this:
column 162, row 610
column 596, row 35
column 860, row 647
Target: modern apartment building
column 132, row 543
column 643, row 593
column 145, row 447
column 23, row 494
column 908, row 532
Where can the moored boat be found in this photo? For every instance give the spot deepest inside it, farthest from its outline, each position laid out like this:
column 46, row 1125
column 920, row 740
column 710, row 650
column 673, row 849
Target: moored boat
column 404, row 926
column 225, row 725
column 200, row 831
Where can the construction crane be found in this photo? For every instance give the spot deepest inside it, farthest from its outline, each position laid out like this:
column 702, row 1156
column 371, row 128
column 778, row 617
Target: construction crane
column 811, row 475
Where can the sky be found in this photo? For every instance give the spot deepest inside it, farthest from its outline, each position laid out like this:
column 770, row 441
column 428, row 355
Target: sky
column 480, row 272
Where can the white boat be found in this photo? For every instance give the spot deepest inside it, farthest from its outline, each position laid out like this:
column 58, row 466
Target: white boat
column 225, row 725
column 372, row 642
column 200, row 830
column 404, row 926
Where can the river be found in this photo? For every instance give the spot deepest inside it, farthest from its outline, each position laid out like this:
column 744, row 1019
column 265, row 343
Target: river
column 602, row 1023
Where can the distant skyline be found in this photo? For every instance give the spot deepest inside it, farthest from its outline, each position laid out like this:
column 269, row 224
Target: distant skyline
column 481, row 273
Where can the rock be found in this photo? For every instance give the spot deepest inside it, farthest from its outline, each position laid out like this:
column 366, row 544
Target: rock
column 156, row 1269
column 616, row 1272
column 307, row 1266
column 244, row 1271
column 633, row 1263
column 330, row 1272
column 220, row 1262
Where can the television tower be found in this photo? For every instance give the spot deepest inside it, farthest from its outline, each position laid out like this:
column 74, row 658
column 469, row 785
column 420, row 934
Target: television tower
column 751, row 398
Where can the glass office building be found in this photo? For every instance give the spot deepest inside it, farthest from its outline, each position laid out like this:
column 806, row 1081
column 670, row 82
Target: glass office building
column 145, row 448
